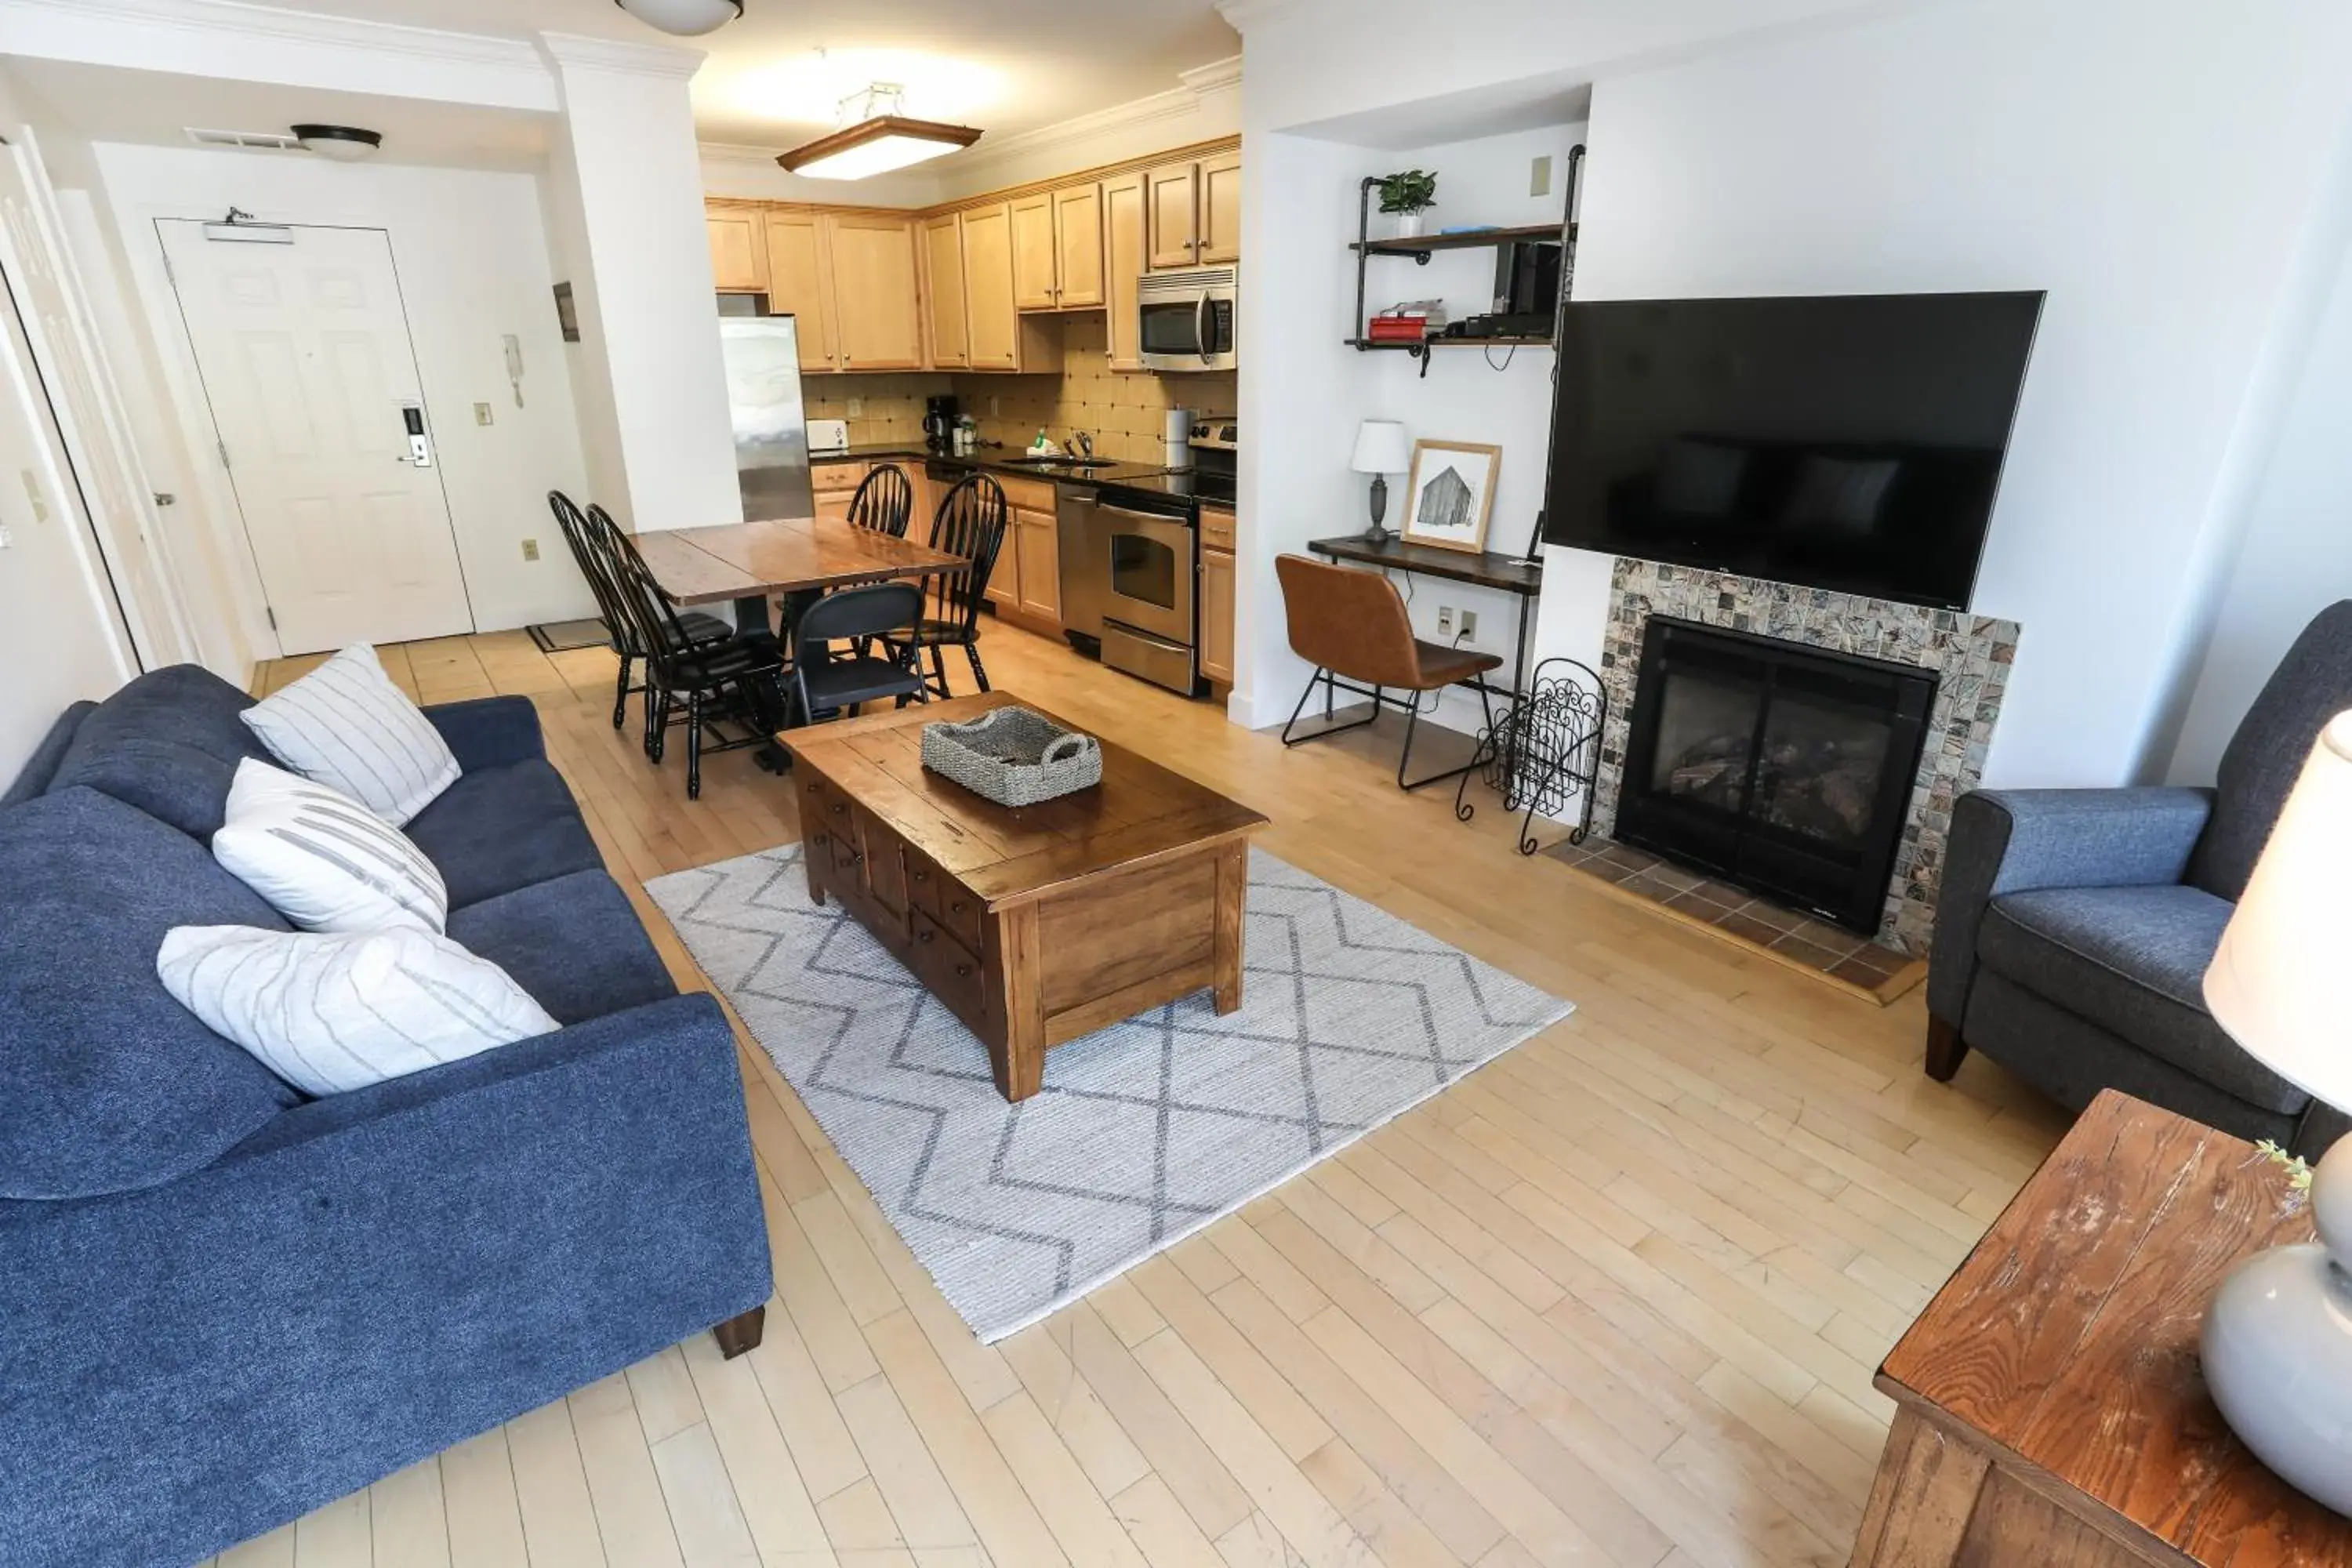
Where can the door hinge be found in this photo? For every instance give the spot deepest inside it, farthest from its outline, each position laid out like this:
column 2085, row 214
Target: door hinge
column 272, row 615
column 223, row 452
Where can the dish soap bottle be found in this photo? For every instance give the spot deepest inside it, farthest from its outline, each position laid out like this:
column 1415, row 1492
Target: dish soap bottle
column 1042, row 447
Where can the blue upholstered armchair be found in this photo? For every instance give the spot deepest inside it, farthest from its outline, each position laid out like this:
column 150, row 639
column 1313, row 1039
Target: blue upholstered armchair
column 2075, row 926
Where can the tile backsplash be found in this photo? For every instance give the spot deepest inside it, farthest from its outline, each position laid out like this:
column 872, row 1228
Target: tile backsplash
column 1125, row 411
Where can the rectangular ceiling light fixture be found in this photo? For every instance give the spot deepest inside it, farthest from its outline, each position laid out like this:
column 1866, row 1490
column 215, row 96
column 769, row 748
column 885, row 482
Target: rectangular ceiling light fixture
column 876, row 147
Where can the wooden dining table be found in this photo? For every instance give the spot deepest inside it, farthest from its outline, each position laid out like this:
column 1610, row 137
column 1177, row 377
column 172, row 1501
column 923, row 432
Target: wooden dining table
column 747, row 563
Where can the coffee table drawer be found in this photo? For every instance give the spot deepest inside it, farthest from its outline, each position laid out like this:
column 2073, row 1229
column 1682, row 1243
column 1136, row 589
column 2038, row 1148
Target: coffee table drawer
column 964, row 916
column 949, row 968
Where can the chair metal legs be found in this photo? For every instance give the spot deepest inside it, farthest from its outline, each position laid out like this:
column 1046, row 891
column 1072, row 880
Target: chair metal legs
column 1379, row 694
column 972, row 652
column 694, row 744
column 621, row 693
column 1329, row 687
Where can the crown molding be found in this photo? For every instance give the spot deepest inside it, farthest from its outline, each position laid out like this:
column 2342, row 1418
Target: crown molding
column 736, row 152
column 236, row 41
column 1200, row 82
column 1241, row 15
column 264, row 23
column 621, row 55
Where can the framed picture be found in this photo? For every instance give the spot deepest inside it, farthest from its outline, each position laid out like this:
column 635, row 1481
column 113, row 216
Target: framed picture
column 567, row 312
column 1451, row 494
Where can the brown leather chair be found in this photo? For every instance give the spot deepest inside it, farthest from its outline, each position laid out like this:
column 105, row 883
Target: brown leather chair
column 1351, row 625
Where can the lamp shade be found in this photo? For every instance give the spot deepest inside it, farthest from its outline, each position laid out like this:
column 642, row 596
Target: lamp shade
column 2277, row 983
column 1381, row 449
column 686, row 18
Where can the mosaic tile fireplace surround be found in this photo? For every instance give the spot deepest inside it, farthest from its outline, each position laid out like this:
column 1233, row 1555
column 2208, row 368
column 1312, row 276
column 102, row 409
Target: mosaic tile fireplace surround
column 1971, row 654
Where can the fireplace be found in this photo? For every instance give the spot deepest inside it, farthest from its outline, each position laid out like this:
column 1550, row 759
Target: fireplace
column 1782, row 768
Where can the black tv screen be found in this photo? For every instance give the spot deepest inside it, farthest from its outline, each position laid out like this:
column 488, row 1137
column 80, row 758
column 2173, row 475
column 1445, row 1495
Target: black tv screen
column 1847, row 442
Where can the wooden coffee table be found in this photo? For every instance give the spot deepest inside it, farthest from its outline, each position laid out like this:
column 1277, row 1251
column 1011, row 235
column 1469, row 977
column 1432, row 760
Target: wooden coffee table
column 1033, row 926
column 2050, row 1407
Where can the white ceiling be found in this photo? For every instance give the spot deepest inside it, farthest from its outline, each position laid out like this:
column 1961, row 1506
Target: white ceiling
column 106, row 103
column 1005, row 66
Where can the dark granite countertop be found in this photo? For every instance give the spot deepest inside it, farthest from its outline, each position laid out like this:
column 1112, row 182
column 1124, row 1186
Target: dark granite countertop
column 995, row 461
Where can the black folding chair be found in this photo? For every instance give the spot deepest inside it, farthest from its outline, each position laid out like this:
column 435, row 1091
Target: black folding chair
column 588, row 552
column 827, row 679
column 738, row 681
column 885, row 501
column 971, row 523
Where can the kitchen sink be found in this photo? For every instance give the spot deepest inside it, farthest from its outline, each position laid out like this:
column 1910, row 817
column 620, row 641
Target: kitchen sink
column 1082, row 463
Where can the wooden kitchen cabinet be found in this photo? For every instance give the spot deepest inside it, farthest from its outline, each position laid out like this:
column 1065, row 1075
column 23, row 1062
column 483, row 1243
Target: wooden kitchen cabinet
column 1041, row 564
column 800, row 283
column 1034, row 270
column 877, row 319
column 1123, row 265
column 1221, row 208
column 990, row 308
column 738, row 252
column 951, row 341
column 1078, row 245
column 834, row 485
column 1172, row 216
column 1217, row 563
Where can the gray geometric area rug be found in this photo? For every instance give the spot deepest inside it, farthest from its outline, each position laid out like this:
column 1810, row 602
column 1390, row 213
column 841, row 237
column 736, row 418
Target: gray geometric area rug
column 1145, row 1131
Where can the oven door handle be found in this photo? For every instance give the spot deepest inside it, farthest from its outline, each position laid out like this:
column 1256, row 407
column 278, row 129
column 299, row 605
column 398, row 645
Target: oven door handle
column 1156, row 518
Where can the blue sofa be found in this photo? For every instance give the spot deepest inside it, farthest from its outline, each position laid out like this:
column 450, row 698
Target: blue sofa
column 223, row 1305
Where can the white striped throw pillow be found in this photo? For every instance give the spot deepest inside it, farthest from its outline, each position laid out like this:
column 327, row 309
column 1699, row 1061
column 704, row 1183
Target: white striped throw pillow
column 322, row 859
column 330, row 1013
column 347, row 726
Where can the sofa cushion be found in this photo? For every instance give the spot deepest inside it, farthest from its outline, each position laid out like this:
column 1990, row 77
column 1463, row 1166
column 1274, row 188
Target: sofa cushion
column 503, row 828
column 106, row 1083
column 2132, row 961
column 168, row 744
column 574, row 943
column 2311, row 685
column 42, row 765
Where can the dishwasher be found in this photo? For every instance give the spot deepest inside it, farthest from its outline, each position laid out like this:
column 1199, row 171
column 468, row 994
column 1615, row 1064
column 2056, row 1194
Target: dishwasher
column 1130, row 581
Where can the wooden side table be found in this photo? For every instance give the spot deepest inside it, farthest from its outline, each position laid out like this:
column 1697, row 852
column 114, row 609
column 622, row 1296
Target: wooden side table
column 2051, row 1408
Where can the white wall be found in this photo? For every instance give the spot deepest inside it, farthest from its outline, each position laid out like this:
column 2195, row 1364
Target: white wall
column 472, row 257
column 1991, row 146
column 633, row 201
column 1464, row 397
column 2297, row 555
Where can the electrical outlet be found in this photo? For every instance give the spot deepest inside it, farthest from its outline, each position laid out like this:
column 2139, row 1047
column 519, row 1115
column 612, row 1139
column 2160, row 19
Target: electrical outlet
column 1444, row 620
column 482, row 414
column 995, row 408
column 858, row 408
column 531, row 550
column 1540, row 176
column 1469, row 623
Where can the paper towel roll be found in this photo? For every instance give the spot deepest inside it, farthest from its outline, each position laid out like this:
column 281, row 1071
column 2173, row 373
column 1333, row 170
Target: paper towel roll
column 1178, row 436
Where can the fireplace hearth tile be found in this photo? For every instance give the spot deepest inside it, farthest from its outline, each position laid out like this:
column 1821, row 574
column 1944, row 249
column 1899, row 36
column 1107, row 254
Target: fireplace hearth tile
column 1788, row 937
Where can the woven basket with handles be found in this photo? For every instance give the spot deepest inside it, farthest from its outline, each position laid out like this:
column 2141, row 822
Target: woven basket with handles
column 1012, row 756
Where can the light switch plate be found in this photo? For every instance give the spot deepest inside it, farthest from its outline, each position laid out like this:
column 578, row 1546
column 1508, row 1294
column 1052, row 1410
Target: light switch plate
column 858, row 408
column 482, row 414
column 1540, row 176
column 531, row 550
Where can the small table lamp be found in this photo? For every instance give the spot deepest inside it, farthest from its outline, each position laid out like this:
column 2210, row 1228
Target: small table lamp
column 2277, row 1343
column 1381, row 449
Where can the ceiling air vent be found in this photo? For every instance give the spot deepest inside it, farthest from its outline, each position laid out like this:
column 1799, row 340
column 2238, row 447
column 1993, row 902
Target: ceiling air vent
column 254, row 141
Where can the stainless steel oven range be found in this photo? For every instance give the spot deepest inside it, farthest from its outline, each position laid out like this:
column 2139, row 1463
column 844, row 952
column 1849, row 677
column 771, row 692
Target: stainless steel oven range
column 1130, row 576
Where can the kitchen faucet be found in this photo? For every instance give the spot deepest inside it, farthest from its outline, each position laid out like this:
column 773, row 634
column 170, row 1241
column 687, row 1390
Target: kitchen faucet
column 1082, row 445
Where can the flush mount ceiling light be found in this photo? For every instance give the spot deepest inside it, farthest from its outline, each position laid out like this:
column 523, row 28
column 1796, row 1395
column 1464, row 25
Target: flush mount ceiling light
column 876, row 139
column 343, row 144
column 687, row 18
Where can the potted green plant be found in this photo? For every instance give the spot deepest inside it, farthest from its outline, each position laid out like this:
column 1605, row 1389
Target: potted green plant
column 1408, row 195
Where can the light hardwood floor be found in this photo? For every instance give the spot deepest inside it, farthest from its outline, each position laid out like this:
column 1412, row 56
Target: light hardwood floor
column 1615, row 1299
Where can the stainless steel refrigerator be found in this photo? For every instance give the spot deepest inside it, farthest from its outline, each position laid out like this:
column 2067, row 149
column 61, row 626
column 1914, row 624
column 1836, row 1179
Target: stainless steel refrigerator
column 763, row 393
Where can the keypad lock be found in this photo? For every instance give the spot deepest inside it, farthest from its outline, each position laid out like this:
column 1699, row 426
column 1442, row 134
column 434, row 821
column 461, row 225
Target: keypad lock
column 420, row 450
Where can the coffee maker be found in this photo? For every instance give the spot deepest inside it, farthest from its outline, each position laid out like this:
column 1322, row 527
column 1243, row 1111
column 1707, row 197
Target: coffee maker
column 939, row 422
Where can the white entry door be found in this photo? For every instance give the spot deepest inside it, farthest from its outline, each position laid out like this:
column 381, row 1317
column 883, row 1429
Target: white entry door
column 304, row 349
column 80, row 389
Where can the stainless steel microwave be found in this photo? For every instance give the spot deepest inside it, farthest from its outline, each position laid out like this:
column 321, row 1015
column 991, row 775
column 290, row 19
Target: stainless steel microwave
column 1189, row 319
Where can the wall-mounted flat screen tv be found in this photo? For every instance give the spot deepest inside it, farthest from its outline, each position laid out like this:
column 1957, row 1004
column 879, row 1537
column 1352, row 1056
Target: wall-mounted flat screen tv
column 1848, row 442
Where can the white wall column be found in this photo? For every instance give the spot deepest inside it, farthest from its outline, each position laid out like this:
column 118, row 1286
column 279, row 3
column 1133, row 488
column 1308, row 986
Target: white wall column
column 626, row 200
